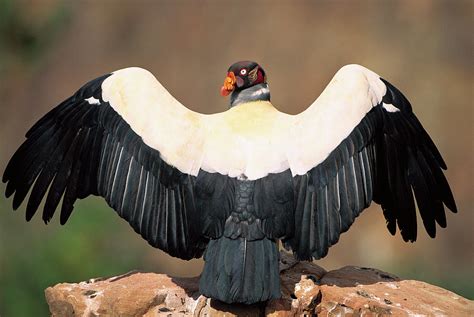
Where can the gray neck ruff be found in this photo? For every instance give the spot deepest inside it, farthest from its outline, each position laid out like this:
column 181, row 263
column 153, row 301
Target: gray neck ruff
column 260, row 92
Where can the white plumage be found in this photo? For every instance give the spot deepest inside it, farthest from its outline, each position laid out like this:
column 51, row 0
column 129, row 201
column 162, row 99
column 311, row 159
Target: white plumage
column 253, row 139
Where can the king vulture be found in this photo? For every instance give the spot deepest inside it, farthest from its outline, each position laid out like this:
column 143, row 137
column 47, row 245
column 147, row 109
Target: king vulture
column 230, row 185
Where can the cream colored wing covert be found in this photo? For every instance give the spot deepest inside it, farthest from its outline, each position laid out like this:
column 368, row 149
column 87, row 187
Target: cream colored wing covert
column 153, row 113
column 247, row 140
column 317, row 131
column 360, row 142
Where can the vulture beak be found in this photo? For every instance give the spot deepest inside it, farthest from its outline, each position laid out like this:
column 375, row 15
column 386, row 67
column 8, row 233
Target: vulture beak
column 229, row 84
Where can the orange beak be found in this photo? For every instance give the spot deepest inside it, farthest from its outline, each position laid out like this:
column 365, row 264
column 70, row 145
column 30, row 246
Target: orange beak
column 229, row 84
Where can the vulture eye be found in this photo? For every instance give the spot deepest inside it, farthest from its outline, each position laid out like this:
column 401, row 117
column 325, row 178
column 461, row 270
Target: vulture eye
column 243, row 71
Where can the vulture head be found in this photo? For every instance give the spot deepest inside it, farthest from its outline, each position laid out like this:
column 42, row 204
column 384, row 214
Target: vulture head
column 247, row 82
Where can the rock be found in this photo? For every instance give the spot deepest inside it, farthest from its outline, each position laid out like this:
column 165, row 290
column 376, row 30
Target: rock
column 307, row 290
column 361, row 291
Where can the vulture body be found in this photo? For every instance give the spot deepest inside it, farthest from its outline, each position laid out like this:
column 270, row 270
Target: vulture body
column 230, row 185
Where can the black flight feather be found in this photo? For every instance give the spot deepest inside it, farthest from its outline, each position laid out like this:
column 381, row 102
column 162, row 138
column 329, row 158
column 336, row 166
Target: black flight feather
column 388, row 158
column 80, row 149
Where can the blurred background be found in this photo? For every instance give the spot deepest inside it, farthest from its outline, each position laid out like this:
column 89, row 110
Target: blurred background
column 49, row 48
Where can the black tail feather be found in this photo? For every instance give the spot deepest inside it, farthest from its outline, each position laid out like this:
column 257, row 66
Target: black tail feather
column 241, row 271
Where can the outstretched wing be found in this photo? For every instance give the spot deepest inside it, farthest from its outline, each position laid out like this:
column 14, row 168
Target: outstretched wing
column 360, row 142
column 124, row 137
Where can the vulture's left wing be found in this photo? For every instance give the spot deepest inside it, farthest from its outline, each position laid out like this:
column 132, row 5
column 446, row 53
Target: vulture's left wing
column 124, row 137
column 358, row 142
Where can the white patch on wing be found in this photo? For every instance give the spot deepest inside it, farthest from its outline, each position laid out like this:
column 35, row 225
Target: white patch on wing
column 162, row 122
column 318, row 130
column 252, row 139
column 390, row 108
column 93, row 101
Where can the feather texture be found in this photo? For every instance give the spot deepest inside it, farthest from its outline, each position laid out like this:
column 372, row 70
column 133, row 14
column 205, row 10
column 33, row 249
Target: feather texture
column 79, row 149
column 241, row 271
column 388, row 158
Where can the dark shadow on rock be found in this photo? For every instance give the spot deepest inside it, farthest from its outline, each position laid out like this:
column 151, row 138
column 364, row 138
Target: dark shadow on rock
column 257, row 309
column 350, row 276
column 189, row 284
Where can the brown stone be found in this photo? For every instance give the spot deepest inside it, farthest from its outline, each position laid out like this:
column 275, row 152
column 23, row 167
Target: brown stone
column 307, row 290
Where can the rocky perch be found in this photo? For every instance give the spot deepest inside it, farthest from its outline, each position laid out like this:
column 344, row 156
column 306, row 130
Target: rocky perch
column 307, row 289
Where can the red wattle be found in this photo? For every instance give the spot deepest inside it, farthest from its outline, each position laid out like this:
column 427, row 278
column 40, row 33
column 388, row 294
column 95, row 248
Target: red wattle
column 224, row 91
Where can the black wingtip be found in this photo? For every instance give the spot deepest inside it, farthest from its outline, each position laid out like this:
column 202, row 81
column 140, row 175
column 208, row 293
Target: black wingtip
column 442, row 163
column 407, row 236
column 30, row 211
column 65, row 214
column 392, row 228
column 17, row 200
column 410, row 238
column 7, row 173
column 28, row 217
column 47, row 217
column 453, row 208
column 450, row 203
column 9, row 190
column 442, row 223
column 430, row 227
column 67, row 207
